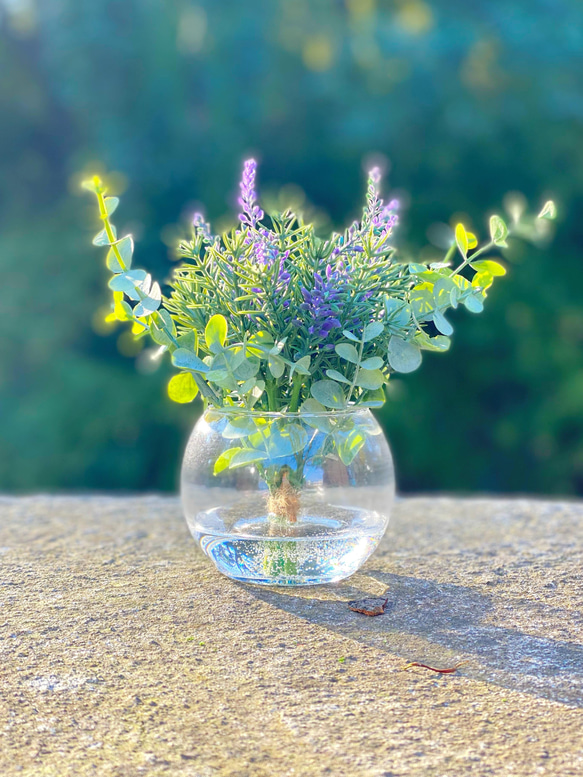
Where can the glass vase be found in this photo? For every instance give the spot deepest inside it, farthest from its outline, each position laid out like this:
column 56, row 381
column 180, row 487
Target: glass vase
column 287, row 498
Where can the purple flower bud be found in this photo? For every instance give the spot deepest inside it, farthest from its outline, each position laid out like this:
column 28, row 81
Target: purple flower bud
column 251, row 213
column 375, row 175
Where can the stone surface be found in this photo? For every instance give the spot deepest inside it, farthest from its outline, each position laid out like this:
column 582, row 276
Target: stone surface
column 125, row 653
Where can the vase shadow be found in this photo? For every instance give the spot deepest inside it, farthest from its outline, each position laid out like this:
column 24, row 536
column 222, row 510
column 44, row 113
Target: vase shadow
column 430, row 622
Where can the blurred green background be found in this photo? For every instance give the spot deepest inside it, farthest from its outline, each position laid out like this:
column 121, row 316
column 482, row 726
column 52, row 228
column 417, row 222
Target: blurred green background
column 468, row 101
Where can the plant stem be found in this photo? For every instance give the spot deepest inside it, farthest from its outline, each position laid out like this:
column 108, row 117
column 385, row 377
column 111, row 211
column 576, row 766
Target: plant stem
column 271, row 394
column 296, row 390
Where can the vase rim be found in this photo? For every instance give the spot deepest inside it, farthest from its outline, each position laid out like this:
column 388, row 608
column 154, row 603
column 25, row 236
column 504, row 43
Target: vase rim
column 350, row 410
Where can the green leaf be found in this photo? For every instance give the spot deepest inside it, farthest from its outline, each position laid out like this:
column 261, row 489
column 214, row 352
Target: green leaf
column 167, row 320
column 422, row 303
column 438, row 343
column 482, row 280
column 335, row 375
column 150, row 304
column 350, row 336
column 370, row 379
column 278, row 347
column 349, row 446
column 182, row 388
column 224, row 459
column 239, row 426
column 160, row 336
column 187, row 360
column 276, row 366
column 302, row 366
column 247, row 369
column 347, row 351
column 102, row 239
column 549, row 211
column 472, row 240
column 403, row 356
column 372, row 363
column 372, row 330
column 128, row 282
column 461, row 239
column 417, row 269
column 90, row 185
column 473, row 303
column 187, row 341
column 259, row 344
column 375, row 398
column 311, row 411
column 244, row 457
column 247, row 386
column 487, row 265
column 215, row 333
column 442, row 323
column 111, row 204
column 312, row 406
column 498, row 231
column 286, row 440
column 328, row 393
column 125, row 246
column 398, row 313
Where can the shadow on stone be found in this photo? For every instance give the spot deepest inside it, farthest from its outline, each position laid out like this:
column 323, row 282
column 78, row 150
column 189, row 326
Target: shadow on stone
column 431, row 622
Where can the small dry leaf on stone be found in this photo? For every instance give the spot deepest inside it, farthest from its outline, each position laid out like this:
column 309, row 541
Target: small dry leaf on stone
column 371, row 606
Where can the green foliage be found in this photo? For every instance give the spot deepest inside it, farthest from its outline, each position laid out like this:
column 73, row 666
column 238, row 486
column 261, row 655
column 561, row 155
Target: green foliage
column 76, row 413
column 256, row 349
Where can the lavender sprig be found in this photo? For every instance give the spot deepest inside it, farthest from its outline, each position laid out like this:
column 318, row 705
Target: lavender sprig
column 251, row 213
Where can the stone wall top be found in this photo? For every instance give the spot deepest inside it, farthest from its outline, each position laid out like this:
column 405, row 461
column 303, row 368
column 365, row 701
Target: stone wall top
column 124, row 652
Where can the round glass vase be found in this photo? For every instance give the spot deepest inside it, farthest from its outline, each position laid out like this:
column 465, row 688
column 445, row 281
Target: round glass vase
column 287, row 498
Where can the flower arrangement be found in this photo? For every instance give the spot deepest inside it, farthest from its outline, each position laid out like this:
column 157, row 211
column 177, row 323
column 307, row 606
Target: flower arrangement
column 270, row 317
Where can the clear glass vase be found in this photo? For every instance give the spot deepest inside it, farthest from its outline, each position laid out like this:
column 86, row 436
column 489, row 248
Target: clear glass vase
column 287, row 498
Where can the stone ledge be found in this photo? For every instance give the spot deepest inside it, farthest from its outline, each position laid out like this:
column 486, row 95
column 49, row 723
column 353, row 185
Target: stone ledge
column 125, row 653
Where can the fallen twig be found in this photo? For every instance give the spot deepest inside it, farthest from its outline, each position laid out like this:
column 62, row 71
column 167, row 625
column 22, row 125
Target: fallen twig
column 451, row 670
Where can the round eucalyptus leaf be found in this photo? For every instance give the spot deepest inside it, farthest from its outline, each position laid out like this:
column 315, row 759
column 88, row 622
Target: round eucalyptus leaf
column 350, row 336
column 102, row 238
column 187, row 360
column 215, row 333
column 372, row 363
column 473, row 303
column 372, row 330
column 286, row 440
column 125, row 248
column 328, row 393
column 335, row 375
column 245, row 457
column 370, row 379
column 442, row 323
column 403, row 356
column 111, row 204
column 347, row 352
column 224, row 459
column 238, row 426
column 182, row 388
column 276, row 366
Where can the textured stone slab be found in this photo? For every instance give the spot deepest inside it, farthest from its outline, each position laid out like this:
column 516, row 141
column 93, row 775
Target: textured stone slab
column 124, row 653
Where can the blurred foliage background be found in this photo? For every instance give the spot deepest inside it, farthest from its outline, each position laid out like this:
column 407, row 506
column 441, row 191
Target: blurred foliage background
column 467, row 101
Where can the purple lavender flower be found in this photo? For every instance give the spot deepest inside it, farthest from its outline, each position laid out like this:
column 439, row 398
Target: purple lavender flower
column 321, row 303
column 200, row 225
column 251, row 213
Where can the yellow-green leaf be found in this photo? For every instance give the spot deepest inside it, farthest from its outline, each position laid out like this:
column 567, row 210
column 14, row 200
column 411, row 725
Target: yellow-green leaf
column 487, row 265
column 461, row 238
column 182, row 388
column 549, row 211
column 215, row 333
